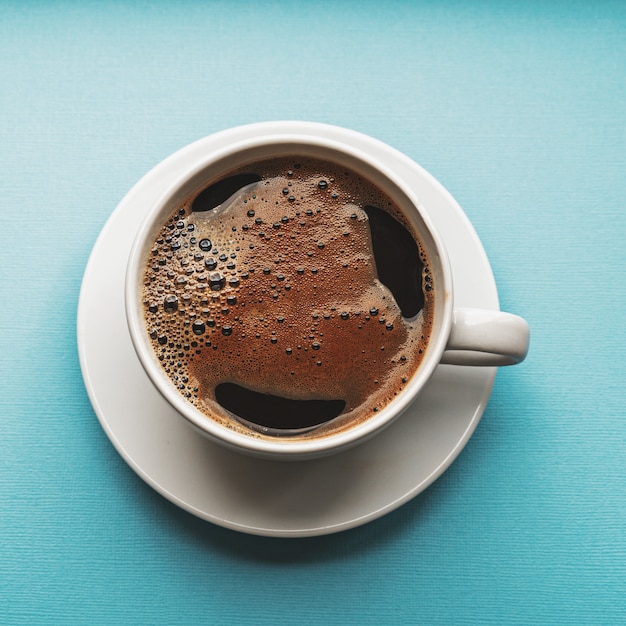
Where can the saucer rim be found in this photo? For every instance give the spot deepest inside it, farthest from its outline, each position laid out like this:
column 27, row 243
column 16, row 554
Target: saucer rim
column 488, row 285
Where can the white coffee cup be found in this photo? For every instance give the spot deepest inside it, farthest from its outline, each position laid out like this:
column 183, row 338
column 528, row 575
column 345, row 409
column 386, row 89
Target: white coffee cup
column 459, row 336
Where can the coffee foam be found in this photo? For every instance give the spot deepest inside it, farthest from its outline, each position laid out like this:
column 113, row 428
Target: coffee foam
column 287, row 300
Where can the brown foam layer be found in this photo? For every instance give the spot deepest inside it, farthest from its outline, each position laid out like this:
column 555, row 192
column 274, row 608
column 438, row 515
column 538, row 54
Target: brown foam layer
column 285, row 298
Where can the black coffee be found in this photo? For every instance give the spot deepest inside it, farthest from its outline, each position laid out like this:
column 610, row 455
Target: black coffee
column 291, row 294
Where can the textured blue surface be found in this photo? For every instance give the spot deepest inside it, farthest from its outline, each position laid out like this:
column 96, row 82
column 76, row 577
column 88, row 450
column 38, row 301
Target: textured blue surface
column 519, row 109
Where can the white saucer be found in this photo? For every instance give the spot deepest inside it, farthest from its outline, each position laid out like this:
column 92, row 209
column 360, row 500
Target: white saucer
column 287, row 499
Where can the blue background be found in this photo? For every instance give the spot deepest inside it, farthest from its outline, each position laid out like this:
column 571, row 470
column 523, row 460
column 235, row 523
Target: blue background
column 519, row 109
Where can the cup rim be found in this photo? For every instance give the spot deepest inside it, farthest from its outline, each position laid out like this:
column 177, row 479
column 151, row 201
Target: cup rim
column 301, row 448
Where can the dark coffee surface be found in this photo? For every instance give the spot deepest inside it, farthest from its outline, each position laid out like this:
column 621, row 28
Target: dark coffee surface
column 275, row 291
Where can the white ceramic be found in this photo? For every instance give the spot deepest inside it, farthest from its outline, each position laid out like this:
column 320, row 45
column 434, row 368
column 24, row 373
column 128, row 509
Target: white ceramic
column 257, row 496
column 469, row 337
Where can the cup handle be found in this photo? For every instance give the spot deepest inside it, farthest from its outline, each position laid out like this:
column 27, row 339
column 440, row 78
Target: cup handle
column 483, row 337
